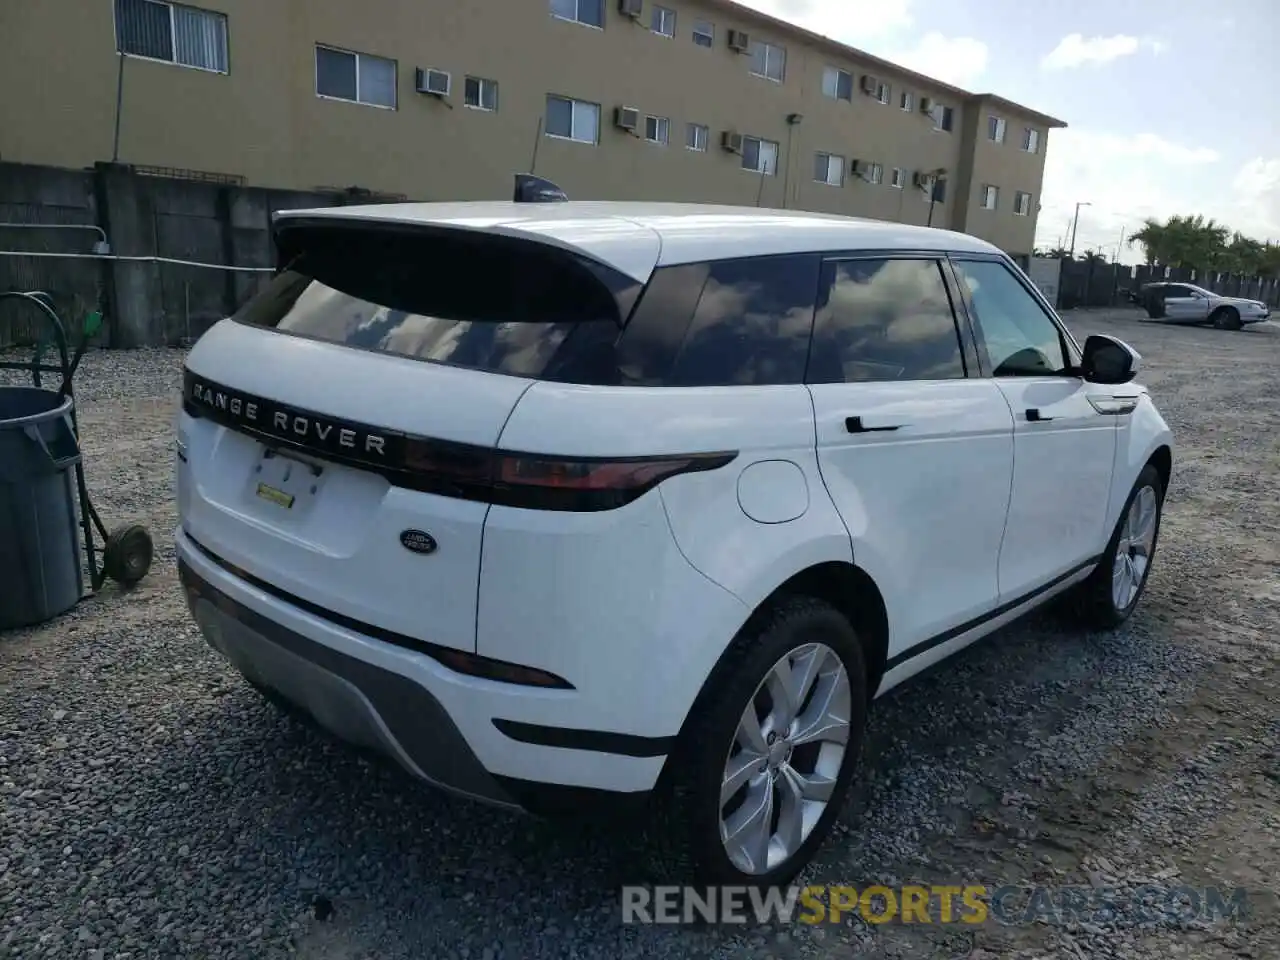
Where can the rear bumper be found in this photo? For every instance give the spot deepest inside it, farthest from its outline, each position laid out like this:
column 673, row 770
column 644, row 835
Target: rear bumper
column 356, row 701
column 468, row 736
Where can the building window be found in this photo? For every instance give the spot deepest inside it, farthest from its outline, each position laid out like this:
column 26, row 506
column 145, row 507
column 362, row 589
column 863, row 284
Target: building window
column 768, row 61
column 828, row 168
column 357, row 77
column 480, row 94
column 171, row 32
column 696, row 136
column 883, row 92
column 931, row 188
column 704, row 33
column 995, row 129
column 943, row 118
column 990, row 197
column 587, row 12
column 898, row 178
column 837, row 84
column 760, row 156
column 906, row 100
column 1031, row 140
column 657, row 130
column 570, row 119
column 663, row 22
column 875, row 173
column 1021, row 203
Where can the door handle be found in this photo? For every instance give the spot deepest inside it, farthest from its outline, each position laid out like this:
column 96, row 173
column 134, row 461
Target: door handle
column 1033, row 416
column 855, row 425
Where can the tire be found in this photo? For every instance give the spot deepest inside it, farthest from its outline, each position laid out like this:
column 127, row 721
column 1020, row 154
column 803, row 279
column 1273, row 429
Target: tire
column 685, row 840
column 1226, row 318
column 127, row 554
column 1096, row 602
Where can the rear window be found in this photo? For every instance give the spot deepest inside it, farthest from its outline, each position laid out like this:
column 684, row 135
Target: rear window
column 475, row 300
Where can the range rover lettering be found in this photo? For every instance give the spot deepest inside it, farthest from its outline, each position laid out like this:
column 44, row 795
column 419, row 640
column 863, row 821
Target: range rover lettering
column 705, row 482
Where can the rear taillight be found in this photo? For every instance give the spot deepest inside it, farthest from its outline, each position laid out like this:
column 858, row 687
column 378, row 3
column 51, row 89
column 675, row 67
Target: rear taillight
column 539, row 482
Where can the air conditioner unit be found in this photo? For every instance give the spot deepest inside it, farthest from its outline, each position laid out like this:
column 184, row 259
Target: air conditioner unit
column 739, row 40
column 918, row 179
column 731, row 141
column 926, row 105
column 858, row 167
column 631, row 8
column 868, row 84
column 626, row 118
column 437, row 83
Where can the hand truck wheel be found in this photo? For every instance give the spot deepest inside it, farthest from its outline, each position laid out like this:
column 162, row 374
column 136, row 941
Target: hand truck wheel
column 126, row 557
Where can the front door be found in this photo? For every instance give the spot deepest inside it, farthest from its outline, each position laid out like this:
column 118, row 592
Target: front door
column 916, row 454
column 1063, row 446
column 1184, row 305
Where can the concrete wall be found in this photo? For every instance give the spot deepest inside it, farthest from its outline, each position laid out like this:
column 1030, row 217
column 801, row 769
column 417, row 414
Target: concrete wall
column 263, row 121
column 145, row 303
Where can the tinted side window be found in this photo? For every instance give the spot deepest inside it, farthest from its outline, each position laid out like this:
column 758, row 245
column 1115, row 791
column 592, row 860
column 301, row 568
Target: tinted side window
column 1019, row 338
column 885, row 320
column 752, row 323
column 653, row 336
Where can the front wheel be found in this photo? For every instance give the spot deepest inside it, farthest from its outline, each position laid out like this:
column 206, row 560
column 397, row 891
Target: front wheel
column 1111, row 593
column 771, row 746
column 1226, row 318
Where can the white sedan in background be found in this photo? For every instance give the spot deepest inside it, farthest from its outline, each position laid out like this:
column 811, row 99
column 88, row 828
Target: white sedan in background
column 1187, row 303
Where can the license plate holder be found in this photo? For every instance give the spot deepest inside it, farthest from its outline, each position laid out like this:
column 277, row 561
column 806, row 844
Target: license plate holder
column 284, row 480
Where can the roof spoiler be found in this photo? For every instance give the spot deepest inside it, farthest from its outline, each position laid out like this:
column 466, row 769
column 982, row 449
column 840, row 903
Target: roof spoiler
column 531, row 189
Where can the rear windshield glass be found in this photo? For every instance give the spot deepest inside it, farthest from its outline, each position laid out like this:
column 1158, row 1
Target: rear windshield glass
column 473, row 300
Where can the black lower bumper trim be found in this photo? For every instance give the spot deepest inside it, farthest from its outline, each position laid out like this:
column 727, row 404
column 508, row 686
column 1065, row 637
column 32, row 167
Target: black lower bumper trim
column 417, row 721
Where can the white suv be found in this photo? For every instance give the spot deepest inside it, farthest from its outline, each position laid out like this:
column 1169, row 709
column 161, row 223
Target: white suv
column 571, row 502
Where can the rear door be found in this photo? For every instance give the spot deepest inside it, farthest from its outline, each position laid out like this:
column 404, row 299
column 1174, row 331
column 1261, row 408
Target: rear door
column 916, row 453
column 337, row 431
column 1063, row 445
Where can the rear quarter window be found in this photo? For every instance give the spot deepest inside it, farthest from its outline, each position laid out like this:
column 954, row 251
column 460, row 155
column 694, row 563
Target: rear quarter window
column 739, row 322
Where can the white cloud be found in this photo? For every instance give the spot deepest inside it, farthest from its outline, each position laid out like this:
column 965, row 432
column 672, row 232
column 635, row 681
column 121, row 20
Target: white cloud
column 851, row 23
column 960, row 61
column 1256, row 190
column 884, row 29
column 1123, row 179
column 1074, row 50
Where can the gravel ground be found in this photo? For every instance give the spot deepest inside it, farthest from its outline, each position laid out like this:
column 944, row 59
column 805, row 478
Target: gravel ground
column 153, row 806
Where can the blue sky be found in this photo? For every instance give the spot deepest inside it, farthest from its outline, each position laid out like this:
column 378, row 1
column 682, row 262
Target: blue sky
column 1172, row 106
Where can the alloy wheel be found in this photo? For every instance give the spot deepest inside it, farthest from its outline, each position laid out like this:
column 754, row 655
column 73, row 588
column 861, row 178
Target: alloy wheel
column 1133, row 552
column 785, row 759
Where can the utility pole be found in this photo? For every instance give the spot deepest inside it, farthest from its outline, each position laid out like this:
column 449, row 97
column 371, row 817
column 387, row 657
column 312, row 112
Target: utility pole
column 1075, row 222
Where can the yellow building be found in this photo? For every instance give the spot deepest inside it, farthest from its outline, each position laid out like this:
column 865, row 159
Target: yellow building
column 439, row 100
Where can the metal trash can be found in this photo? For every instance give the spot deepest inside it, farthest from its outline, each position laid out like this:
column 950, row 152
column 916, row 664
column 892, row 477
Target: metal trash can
column 40, row 574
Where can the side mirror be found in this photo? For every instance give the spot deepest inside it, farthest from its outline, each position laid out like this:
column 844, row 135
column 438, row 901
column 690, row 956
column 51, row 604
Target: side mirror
column 531, row 189
column 1108, row 360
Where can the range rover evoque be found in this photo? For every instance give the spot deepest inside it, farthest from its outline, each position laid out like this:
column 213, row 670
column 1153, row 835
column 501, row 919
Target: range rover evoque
column 616, row 501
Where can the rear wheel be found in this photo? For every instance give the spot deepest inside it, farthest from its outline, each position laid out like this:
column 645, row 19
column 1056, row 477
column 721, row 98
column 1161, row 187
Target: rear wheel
column 1226, row 318
column 1111, row 593
column 766, row 760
